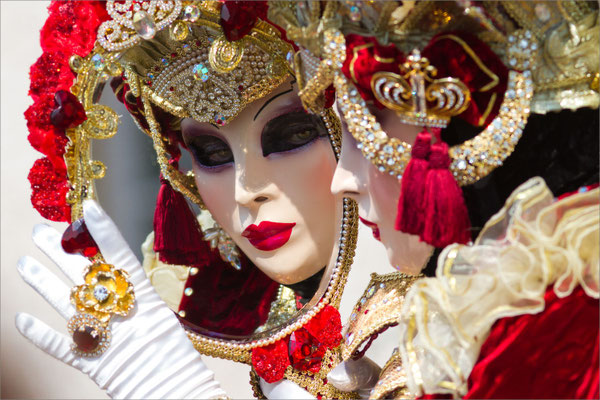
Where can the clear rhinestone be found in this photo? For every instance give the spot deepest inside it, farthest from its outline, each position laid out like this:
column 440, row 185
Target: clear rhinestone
column 542, row 13
column 144, row 25
column 349, row 339
column 98, row 62
column 388, row 149
column 523, row 43
column 191, row 13
column 188, row 291
column 371, row 291
column 461, row 164
column 100, row 293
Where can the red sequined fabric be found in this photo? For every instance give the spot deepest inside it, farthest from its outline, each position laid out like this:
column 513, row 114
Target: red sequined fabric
column 49, row 188
column 270, row 362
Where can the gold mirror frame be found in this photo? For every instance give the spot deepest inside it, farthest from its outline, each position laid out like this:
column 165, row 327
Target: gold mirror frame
column 83, row 170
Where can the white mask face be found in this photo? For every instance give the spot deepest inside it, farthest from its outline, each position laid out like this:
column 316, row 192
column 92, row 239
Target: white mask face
column 265, row 179
column 377, row 195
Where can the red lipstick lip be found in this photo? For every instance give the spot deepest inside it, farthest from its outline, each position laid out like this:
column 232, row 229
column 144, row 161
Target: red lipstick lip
column 268, row 236
column 373, row 227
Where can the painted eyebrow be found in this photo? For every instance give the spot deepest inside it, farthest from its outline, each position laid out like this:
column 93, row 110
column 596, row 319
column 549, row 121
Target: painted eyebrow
column 274, row 97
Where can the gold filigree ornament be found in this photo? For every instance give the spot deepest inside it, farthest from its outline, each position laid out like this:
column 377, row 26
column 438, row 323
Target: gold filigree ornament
column 164, row 55
column 472, row 159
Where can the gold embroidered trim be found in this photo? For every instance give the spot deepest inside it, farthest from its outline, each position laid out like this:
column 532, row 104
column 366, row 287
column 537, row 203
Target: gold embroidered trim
column 377, row 309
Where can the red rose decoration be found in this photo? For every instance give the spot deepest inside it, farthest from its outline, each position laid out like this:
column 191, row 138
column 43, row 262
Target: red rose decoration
column 50, row 73
column 49, row 190
column 43, row 136
column 271, row 361
column 71, row 26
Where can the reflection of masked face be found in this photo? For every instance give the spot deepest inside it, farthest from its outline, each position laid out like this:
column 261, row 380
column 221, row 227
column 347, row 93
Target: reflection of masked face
column 377, row 195
column 265, row 179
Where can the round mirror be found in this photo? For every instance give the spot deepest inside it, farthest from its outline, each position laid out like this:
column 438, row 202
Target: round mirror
column 267, row 246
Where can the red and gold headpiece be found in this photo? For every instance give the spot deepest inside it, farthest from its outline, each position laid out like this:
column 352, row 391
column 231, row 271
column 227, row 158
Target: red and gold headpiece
column 429, row 62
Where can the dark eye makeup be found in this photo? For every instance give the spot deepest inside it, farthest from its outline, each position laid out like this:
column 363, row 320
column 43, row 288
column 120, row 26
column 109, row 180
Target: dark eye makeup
column 209, row 151
column 284, row 133
column 291, row 131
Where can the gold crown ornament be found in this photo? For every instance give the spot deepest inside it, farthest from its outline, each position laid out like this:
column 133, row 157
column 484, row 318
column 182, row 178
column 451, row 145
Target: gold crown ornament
column 412, row 93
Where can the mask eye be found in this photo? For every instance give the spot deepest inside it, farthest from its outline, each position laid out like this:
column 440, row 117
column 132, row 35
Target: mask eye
column 291, row 131
column 209, row 151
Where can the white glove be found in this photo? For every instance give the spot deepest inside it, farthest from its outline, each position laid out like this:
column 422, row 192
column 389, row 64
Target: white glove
column 150, row 355
column 283, row 389
column 355, row 375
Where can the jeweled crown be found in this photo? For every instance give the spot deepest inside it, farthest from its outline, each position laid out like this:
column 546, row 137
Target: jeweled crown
column 417, row 97
column 179, row 52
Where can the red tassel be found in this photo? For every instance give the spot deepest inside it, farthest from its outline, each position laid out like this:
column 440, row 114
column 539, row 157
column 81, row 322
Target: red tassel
column 178, row 237
column 411, row 218
column 446, row 216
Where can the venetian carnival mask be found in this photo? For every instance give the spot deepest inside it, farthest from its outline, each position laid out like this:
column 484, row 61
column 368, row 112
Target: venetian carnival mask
column 264, row 263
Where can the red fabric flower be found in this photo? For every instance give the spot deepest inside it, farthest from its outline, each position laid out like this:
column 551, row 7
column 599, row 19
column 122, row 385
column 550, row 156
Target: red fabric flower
column 270, row 362
column 326, row 326
column 71, row 26
column 49, row 189
column 43, row 136
column 50, row 73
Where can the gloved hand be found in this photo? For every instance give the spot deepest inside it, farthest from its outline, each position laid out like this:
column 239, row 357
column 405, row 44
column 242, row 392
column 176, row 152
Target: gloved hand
column 355, row 375
column 283, row 389
column 150, row 355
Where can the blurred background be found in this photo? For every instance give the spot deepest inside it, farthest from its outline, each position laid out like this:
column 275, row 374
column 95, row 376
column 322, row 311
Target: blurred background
column 127, row 193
